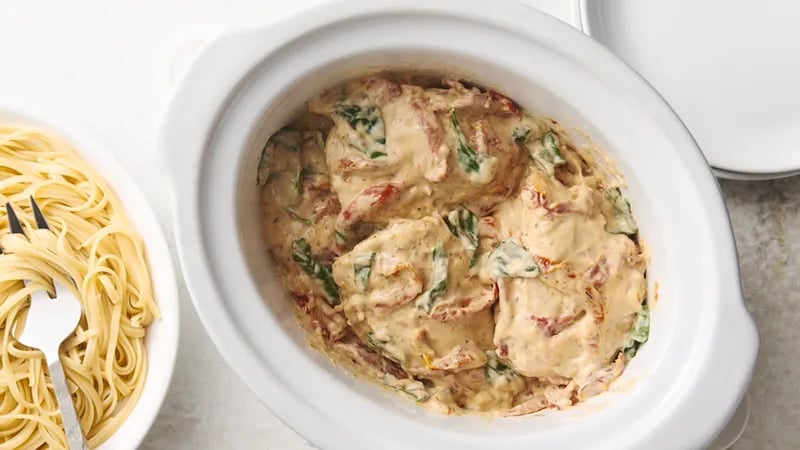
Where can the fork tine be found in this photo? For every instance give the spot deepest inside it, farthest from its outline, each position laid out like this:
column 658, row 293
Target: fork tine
column 13, row 221
column 37, row 214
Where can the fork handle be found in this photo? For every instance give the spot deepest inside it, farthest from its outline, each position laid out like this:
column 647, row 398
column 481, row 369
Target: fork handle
column 72, row 426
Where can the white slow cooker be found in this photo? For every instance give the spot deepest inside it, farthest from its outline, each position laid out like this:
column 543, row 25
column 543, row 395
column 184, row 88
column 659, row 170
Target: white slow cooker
column 677, row 393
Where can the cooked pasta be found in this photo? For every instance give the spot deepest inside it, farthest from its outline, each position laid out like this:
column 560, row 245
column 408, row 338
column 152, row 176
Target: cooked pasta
column 92, row 242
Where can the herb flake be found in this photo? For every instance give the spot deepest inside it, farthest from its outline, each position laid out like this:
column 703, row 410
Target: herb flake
column 302, row 255
column 291, row 212
column 438, row 280
column 463, row 224
column 362, row 268
column 640, row 332
column 284, row 139
column 468, row 159
column 413, row 388
column 546, row 152
column 494, row 369
column 384, row 346
column 618, row 214
column 368, row 124
column 520, row 134
column 511, row 260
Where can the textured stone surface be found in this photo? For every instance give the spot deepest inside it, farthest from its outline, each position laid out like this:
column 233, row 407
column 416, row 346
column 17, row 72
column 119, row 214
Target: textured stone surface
column 766, row 222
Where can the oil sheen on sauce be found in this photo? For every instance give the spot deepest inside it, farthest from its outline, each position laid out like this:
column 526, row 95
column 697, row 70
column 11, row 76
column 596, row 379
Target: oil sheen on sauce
column 438, row 240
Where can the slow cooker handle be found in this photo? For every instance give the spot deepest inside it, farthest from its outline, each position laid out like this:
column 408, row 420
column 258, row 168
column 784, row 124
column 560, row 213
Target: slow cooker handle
column 194, row 107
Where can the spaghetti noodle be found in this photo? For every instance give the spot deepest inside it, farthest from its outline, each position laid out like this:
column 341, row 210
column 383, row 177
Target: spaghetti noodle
column 93, row 243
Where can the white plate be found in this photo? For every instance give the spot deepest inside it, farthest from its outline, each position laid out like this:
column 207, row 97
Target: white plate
column 568, row 12
column 751, row 176
column 161, row 341
column 729, row 68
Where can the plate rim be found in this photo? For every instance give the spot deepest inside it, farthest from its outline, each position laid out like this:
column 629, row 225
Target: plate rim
column 583, row 23
column 141, row 215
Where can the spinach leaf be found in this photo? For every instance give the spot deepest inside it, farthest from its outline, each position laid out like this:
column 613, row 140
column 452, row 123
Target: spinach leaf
column 520, row 135
column 417, row 391
column 546, row 152
column 286, row 182
column 285, row 139
column 511, row 260
column 477, row 166
column 463, row 224
column 280, row 167
column 468, row 159
column 494, row 369
column 296, row 216
column 297, row 187
column 414, row 388
column 368, row 124
column 438, row 280
column 339, row 237
column 362, row 267
column 439, row 274
column 302, row 255
column 373, row 341
column 384, row 345
column 617, row 211
column 640, row 332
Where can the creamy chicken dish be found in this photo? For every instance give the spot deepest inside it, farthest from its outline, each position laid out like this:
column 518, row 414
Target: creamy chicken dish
column 438, row 239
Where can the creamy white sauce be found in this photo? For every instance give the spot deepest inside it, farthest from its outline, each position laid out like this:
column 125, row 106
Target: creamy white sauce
column 458, row 249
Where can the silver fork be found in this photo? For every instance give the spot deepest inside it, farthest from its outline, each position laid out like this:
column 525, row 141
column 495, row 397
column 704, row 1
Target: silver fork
column 52, row 317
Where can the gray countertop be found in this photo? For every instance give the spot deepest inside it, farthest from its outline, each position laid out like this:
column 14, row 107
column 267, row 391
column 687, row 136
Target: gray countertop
column 766, row 222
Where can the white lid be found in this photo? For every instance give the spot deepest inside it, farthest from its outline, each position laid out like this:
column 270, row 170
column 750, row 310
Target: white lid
column 729, row 68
